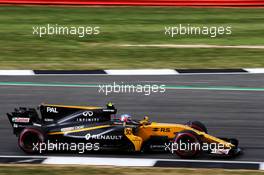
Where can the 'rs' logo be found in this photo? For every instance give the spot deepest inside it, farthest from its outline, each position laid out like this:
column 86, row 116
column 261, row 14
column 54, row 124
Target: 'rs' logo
column 164, row 129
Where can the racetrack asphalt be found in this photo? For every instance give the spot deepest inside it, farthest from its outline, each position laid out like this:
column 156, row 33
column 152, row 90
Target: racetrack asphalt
column 227, row 113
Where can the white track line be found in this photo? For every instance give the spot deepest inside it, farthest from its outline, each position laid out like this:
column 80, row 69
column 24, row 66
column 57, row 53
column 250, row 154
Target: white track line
column 126, row 159
column 130, row 72
column 100, row 161
column 261, row 166
column 141, row 72
column 115, row 161
column 255, row 70
column 17, row 72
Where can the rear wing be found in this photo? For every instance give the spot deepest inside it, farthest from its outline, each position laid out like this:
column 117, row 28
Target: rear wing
column 22, row 117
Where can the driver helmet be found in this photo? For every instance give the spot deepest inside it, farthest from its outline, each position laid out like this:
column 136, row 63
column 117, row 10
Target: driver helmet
column 125, row 117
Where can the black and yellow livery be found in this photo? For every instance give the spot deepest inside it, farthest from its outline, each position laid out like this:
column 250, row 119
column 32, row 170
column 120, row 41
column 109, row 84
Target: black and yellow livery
column 82, row 124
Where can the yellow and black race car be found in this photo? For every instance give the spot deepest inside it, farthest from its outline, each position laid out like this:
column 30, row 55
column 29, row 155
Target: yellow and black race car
column 89, row 128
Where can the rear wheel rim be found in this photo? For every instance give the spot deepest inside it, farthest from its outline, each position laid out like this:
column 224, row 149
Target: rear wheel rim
column 30, row 139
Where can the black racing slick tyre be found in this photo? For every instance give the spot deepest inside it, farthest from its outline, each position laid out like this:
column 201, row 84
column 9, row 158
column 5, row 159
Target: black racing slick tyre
column 197, row 125
column 29, row 139
column 187, row 144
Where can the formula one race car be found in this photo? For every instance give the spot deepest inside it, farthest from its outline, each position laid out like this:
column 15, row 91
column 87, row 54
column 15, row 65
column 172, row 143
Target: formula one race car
column 87, row 128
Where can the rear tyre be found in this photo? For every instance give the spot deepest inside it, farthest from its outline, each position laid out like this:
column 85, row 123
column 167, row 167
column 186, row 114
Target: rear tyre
column 197, row 125
column 29, row 139
column 188, row 144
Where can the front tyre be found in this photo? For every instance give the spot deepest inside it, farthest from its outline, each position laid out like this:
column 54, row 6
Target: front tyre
column 187, row 144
